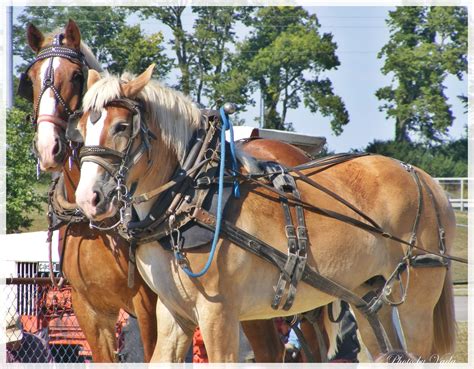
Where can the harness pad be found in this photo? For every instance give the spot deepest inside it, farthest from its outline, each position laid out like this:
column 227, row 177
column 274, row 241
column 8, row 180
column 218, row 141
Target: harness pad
column 194, row 235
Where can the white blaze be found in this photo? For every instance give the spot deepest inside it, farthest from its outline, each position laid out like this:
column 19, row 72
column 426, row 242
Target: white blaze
column 90, row 171
column 47, row 131
column 48, row 101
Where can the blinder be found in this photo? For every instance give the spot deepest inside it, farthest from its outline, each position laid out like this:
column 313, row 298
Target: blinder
column 72, row 132
column 134, row 107
column 25, row 87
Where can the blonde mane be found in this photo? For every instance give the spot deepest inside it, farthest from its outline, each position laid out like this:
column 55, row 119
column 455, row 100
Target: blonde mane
column 168, row 111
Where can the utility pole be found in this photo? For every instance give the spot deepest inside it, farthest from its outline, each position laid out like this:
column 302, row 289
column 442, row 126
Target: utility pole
column 9, row 54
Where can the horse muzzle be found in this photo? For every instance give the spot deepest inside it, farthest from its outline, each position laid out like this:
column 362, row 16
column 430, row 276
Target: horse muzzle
column 98, row 201
column 51, row 159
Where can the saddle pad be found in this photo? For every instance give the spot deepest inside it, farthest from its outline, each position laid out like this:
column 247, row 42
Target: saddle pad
column 192, row 234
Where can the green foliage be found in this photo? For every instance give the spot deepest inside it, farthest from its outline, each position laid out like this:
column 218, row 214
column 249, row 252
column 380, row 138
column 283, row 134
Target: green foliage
column 98, row 25
column 134, row 52
column 116, row 45
column 22, row 199
column 448, row 160
column 283, row 58
column 171, row 16
column 203, row 54
column 426, row 44
column 212, row 39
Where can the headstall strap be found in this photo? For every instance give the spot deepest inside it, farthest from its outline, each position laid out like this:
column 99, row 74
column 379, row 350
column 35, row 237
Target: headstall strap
column 25, row 88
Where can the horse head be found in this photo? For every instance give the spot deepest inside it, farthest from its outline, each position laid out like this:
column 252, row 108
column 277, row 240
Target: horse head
column 125, row 147
column 54, row 83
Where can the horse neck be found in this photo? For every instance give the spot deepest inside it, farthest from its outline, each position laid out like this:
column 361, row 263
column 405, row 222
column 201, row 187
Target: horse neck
column 71, row 180
column 164, row 165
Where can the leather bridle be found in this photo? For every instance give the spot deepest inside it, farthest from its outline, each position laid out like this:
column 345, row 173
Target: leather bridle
column 117, row 163
column 25, row 88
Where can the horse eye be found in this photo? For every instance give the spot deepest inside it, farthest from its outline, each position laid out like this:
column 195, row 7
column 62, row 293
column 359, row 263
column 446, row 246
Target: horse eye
column 77, row 77
column 120, row 127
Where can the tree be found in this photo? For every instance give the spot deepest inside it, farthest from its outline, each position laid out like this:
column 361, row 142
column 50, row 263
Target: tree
column 203, row 52
column 443, row 160
column 426, row 44
column 115, row 44
column 134, row 52
column 283, row 58
column 212, row 39
column 172, row 17
column 21, row 198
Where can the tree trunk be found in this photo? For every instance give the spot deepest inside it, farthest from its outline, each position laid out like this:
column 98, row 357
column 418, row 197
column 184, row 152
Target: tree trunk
column 401, row 131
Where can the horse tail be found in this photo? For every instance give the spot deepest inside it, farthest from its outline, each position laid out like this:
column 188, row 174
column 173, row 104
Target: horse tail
column 444, row 322
column 445, row 327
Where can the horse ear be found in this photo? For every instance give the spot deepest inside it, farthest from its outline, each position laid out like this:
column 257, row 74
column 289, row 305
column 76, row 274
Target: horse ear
column 35, row 37
column 92, row 77
column 73, row 35
column 132, row 89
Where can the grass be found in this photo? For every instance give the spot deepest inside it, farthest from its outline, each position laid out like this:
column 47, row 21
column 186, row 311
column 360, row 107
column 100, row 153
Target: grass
column 460, row 248
column 39, row 219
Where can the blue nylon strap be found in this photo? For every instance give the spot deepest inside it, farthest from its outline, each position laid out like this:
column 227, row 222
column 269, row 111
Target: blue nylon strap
column 226, row 125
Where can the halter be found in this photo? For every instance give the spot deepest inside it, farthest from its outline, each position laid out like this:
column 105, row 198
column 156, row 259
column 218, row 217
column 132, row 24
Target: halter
column 25, row 88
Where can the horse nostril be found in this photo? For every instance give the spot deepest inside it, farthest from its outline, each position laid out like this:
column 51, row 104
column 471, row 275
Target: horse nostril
column 56, row 147
column 96, row 199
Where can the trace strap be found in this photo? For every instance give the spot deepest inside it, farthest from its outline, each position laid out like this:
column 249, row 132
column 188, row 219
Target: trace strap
column 225, row 125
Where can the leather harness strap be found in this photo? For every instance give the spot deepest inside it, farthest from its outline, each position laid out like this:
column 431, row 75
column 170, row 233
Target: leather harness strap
column 345, row 218
column 25, row 88
column 286, row 183
column 261, row 249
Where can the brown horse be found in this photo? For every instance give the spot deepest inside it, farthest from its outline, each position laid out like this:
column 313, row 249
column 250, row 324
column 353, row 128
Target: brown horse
column 94, row 263
column 238, row 285
column 99, row 296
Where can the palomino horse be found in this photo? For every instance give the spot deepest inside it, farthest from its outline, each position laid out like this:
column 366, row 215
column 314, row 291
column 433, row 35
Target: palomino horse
column 89, row 251
column 139, row 131
column 95, row 264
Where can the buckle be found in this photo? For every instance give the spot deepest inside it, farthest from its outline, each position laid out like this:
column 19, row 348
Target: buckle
column 302, row 234
column 290, row 231
column 203, row 182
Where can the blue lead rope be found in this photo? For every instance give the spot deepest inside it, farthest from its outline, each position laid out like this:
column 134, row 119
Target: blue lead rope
column 226, row 125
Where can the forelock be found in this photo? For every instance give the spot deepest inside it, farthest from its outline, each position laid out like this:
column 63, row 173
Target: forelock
column 102, row 92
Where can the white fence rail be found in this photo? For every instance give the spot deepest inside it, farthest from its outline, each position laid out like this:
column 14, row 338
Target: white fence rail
column 457, row 189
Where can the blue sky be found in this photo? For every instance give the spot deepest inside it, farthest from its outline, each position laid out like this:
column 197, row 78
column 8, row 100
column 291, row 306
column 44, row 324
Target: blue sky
column 360, row 32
